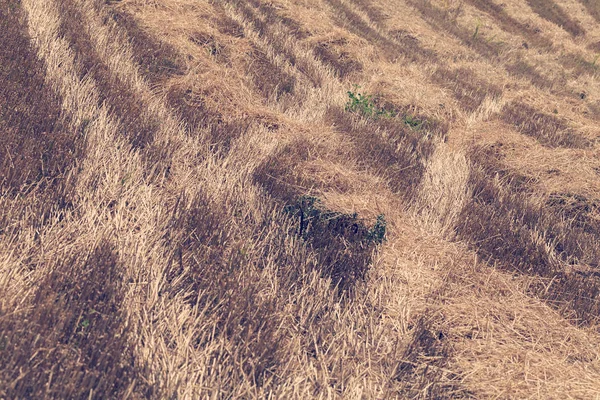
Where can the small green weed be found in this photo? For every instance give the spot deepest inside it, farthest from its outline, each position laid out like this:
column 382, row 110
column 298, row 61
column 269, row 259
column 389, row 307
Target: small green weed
column 364, row 104
column 412, row 121
column 342, row 243
column 476, row 33
column 377, row 232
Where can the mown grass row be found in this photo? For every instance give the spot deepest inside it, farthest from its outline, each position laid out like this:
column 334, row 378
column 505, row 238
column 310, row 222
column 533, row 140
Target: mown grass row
column 424, row 366
column 391, row 48
column 549, row 130
column 136, row 124
column 272, row 80
column 508, row 230
column 72, row 342
column 387, row 147
column 341, row 243
column 37, row 145
column 466, row 88
column 510, row 24
column 159, row 62
column 593, row 8
column 326, row 53
column 577, row 64
column 554, row 13
column 225, row 263
column 68, row 338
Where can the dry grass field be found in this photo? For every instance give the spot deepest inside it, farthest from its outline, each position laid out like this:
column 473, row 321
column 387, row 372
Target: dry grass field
column 279, row 199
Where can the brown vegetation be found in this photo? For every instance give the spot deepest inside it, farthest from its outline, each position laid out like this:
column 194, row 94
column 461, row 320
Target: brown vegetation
column 338, row 60
column 508, row 229
column 548, row 129
column 521, row 69
column 392, row 49
column 446, row 20
column 554, row 13
column 466, row 87
column 157, row 60
column 194, row 204
column 75, row 335
column 593, row 7
column 512, row 25
column 139, row 127
column 388, row 147
column 36, row 145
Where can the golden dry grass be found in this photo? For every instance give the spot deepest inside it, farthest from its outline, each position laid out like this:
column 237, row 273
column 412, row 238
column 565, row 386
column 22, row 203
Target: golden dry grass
column 188, row 208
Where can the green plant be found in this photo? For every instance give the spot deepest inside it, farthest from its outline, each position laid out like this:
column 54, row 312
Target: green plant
column 476, row 30
column 313, row 216
column 412, row 121
column 377, row 232
column 365, row 105
column 343, row 245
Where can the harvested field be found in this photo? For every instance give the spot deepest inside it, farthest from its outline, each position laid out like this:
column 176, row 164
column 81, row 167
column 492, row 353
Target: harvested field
column 338, row 199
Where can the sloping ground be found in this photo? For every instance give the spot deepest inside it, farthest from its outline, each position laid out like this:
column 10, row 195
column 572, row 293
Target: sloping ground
column 196, row 201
